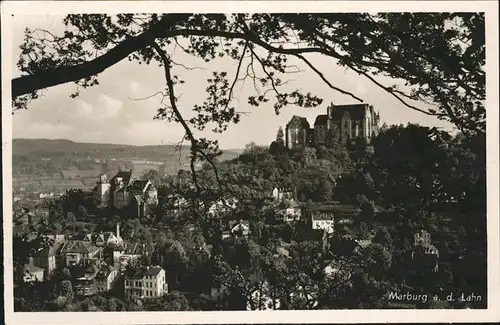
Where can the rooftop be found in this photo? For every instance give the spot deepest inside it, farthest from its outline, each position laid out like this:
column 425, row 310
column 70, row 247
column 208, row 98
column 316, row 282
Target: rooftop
column 139, row 273
column 355, row 111
column 138, row 185
column 321, row 120
column 78, row 246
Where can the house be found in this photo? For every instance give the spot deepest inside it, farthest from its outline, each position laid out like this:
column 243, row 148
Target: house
column 85, row 285
column 237, row 228
column 47, row 258
column 105, row 239
column 126, row 259
column 280, row 194
column 145, row 282
column 323, row 221
column 223, row 205
column 218, row 292
column 106, row 278
column 78, row 251
column 46, row 195
column 357, row 122
column 32, row 274
column 261, row 299
column 291, row 212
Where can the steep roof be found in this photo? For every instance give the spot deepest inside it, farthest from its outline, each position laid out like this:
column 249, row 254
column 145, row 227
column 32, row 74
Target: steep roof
column 138, row 199
column 125, row 175
column 105, row 271
column 298, row 121
column 78, row 246
column 356, row 111
column 138, row 185
column 321, row 120
column 153, row 271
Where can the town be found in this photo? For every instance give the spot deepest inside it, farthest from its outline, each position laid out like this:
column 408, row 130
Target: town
column 312, row 221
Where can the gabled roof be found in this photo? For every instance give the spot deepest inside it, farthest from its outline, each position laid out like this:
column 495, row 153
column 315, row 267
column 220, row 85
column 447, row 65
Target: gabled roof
column 298, row 121
column 138, row 199
column 125, row 175
column 139, row 273
column 321, row 120
column 138, row 185
column 356, row 111
column 153, row 271
column 175, row 245
column 105, row 271
column 78, row 246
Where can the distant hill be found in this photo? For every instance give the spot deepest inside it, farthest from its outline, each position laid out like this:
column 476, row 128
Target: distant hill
column 47, row 147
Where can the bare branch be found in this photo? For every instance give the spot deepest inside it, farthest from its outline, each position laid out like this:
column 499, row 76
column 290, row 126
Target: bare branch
column 148, row 97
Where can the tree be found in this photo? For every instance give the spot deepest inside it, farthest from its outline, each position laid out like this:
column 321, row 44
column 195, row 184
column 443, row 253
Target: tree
column 83, row 212
column 367, row 213
column 66, row 288
column 377, row 44
column 280, row 137
column 382, row 237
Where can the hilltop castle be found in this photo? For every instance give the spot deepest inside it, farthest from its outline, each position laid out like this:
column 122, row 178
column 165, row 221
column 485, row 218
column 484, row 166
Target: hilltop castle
column 356, row 123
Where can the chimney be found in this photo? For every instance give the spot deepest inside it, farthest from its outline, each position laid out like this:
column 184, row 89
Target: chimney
column 118, row 230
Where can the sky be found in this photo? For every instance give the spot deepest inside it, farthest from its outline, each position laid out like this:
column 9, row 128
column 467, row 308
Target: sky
column 112, row 112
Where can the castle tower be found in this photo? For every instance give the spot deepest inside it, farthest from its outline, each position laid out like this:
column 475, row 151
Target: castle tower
column 102, row 191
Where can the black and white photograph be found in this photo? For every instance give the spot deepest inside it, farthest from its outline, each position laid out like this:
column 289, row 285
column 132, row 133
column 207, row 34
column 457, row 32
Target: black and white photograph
column 220, row 158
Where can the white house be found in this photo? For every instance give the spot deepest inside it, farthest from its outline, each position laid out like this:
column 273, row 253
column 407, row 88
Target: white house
column 124, row 260
column 32, row 274
column 77, row 251
column 145, row 283
column 105, row 238
column 223, row 206
column 280, row 194
column 106, row 278
column 291, row 212
column 323, row 221
column 239, row 228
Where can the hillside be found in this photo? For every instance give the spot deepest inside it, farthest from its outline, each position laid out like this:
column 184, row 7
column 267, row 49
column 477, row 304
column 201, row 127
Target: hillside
column 55, row 165
column 49, row 148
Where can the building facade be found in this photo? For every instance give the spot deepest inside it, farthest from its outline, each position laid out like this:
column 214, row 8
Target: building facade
column 78, row 251
column 145, row 283
column 47, row 259
column 323, row 221
column 33, row 274
column 106, row 278
column 354, row 123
